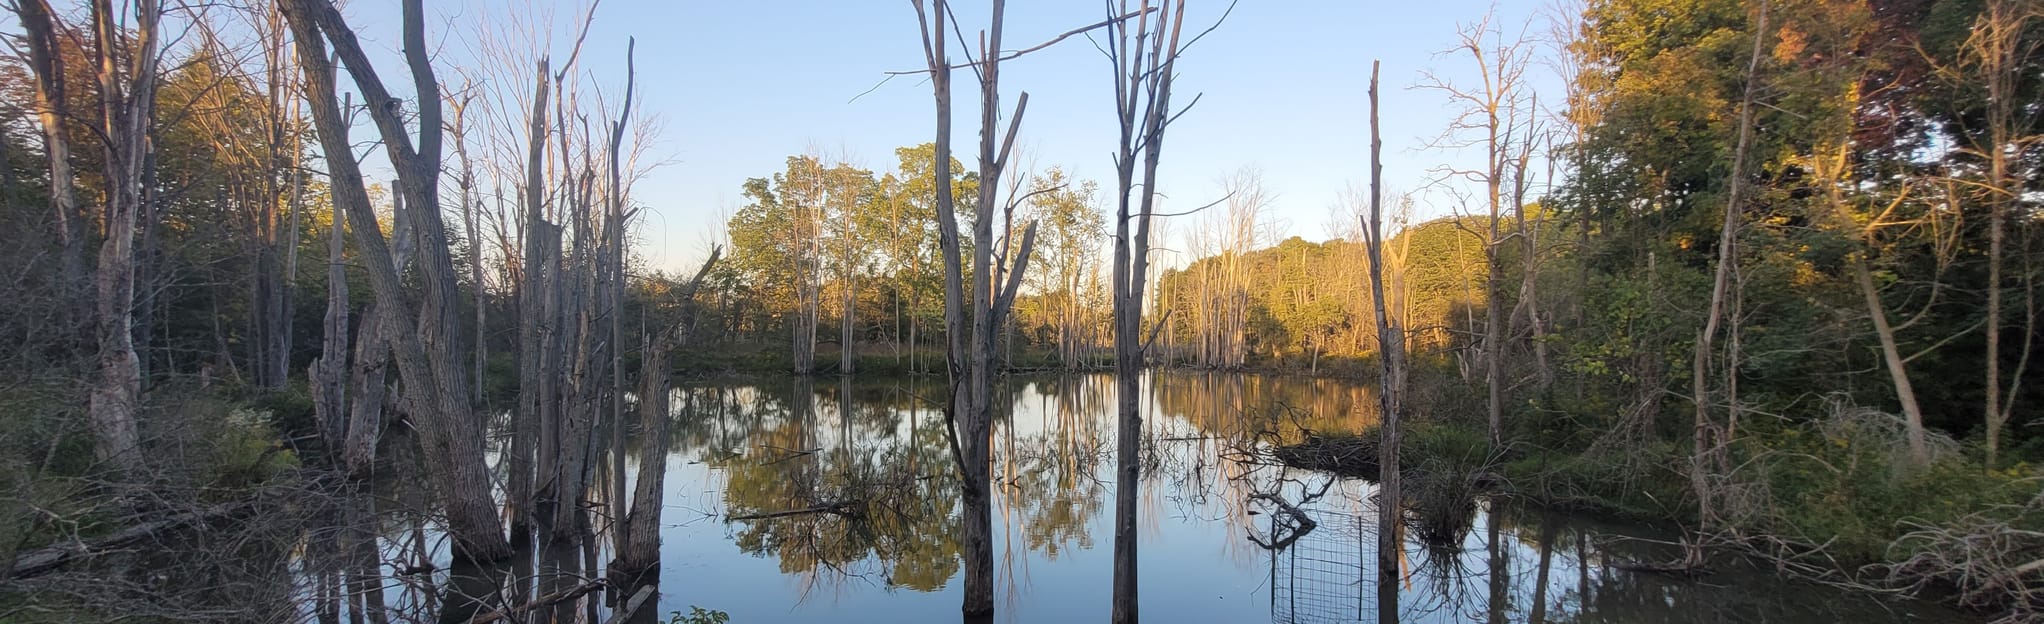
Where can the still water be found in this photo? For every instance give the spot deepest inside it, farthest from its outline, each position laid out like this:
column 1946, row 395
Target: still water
column 865, row 468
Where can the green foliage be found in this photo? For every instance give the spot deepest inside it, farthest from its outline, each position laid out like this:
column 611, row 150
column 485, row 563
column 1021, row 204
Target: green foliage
column 697, row 615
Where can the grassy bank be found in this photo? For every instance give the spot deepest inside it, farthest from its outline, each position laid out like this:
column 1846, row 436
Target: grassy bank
column 1837, row 499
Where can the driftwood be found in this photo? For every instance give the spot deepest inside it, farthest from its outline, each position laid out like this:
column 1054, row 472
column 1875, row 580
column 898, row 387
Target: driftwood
column 1304, row 524
column 541, row 602
column 848, row 509
column 632, row 606
column 47, row 559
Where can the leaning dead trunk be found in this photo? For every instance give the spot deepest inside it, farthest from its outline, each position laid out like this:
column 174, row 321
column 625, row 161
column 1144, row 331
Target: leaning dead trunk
column 425, row 342
column 1705, row 435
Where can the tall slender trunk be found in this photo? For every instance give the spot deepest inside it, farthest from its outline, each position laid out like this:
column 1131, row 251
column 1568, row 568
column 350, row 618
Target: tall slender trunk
column 1144, row 69
column 845, row 357
column 970, row 349
column 1391, row 386
column 614, row 238
column 1704, row 437
column 1998, row 34
column 1891, row 356
column 1494, row 340
column 533, row 376
column 46, row 61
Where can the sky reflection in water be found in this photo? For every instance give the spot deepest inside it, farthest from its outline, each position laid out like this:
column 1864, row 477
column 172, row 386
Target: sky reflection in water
column 874, row 450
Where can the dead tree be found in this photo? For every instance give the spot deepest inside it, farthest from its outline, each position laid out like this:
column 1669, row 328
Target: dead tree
column 535, row 324
column 46, row 60
column 328, row 374
column 1391, row 389
column 471, row 221
column 1144, row 55
column 127, row 95
column 1490, row 110
column 424, row 340
column 970, row 332
column 1706, row 435
column 614, row 229
column 369, row 373
column 639, row 549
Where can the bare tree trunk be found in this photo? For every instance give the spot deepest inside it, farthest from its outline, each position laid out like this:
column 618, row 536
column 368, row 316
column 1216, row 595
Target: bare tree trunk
column 1144, row 63
column 1704, row 437
column 614, row 238
column 1891, row 355
column 640, row 551
column 533, row 293
column 1494, row 340
column 469, row 220
column 1997, row 47
column 969, row 415
column 275, row 242
column 370, row 373
column 128, row 114
column 845, row 357
column 427, row 359
column 329, row 372
column 1391, row 366
column 639, row 542
column 46, row 61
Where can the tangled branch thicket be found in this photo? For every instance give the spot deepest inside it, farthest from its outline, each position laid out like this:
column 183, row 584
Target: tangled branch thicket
column 1989, row 558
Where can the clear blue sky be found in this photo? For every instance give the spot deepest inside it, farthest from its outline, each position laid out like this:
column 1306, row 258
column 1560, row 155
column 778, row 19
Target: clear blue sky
column 743, row 85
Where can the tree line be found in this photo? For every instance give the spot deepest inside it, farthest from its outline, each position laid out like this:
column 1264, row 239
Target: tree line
column 1731, row 218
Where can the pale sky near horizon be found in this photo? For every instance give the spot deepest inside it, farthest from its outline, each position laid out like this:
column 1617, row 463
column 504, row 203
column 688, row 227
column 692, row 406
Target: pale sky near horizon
column 740, row 86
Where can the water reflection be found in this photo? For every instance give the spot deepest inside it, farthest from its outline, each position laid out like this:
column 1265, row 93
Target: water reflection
column 835, row 499
column 848, row 488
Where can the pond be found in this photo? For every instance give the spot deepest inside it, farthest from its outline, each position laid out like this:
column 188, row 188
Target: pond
column 827, row 499
column 757, row 448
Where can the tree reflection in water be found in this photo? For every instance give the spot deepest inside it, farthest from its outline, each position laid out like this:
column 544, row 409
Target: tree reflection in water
column 848, row 487
column 866, row 467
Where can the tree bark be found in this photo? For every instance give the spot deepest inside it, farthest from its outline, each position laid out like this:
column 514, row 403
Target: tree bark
column 370, row 374
column 1391, row 390
column 427, row 359
column 128, row 112
column 971, row 346
column 329, row 372
column 534, row 380
column 1144, row 69
column 1891, row 355
column 46, row 61
column 1705, row 431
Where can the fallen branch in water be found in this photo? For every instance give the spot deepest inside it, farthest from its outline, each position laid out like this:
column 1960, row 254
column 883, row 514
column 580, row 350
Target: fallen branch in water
column 541, row 602
column 848, row 509
column 792, row 455
column 1303, row 524
column 44, row 560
